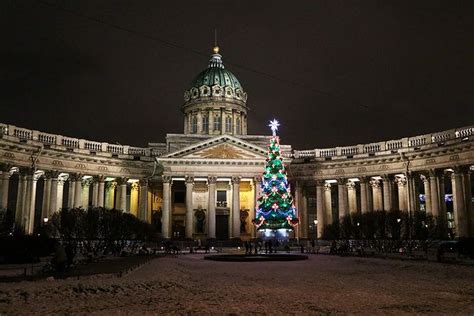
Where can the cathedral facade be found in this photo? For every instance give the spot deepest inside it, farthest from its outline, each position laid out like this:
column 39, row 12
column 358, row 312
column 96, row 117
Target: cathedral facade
column 204, row 183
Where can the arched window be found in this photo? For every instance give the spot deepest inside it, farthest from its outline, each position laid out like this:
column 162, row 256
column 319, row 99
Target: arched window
column 238, row 127
column 205, row 124
column 228, row 124
column 194, row 125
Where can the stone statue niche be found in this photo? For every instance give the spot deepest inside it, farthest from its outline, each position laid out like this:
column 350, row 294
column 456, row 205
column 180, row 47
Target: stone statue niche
column 244, row 214
column 200, row 215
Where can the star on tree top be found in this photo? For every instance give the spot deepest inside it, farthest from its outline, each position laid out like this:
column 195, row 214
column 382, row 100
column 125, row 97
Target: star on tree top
column 274, row 126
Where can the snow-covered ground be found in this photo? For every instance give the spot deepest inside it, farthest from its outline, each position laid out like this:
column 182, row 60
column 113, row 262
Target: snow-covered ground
column 187, row 284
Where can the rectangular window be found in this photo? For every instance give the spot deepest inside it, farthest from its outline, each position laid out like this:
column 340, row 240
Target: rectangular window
column 228, row 124
column 222, row 198
column 205, row 124
column 194, row 125
column 217, row 123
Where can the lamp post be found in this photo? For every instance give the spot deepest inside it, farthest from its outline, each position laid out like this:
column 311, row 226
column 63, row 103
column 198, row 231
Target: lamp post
column 316, row 233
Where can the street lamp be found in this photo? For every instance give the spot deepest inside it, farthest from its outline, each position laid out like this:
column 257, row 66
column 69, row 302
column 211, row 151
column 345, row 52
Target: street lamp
column 316, row 232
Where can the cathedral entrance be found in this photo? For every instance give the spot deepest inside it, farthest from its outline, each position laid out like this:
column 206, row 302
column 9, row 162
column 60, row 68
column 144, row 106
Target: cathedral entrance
column 222, row 226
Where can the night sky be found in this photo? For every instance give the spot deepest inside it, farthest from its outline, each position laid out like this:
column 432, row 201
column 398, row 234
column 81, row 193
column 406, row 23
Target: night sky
column 333, row 72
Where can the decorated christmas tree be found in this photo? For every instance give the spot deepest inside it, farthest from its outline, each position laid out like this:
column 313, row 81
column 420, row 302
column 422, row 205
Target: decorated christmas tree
column 275, row 208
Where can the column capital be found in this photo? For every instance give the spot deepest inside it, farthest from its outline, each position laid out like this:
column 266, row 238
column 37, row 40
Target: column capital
column 51, row 174
column 235, row 180
column 350, row 185
column 375, row 183
column 327, row 186
column 461, row 169
column 401, row 181
column 87, row 182
column 135, row 186
column 5, row 167
column 364, row 179
column 25, row 171
column 189, row 179
column 144, row 181
column 388, row 178
column 99, row 178
column 257, row 179
column 424, row 177
column 121, row 181
column 166, row 179
column 320, row 183
column 212, row 180
column 341, row 181
column 75, row 176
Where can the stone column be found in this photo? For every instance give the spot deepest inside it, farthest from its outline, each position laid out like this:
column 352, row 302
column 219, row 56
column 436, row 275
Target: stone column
column 461, row 218
column 328, row 202
column 199, row 122
column 300, row 209
column 134, row 194
column 95, row 192
column 53, row 195
column 363, row 195
column 211, row 122
column 377, row 194
column 320, row 211
column 442, row 193
column 387, row 193
column 61, row 182
column 72, row 189
column 144, row 199
column 352, row 196
column 101, row 191
column 86, row 183
column 189, row 207
column 342, row 198
column 235, row 207
column 78, row 191
column 222, row 121
column 234, row 117
column 122, row 196
column 468, row 198
column 21, row 198
column 166, row 217
column 30, row 210
column 426, row 185
column 5, row 182
column 211, row 232
column 257, row 183
column 46, row 195
column 435, row 209
column 402, row 190
column 185, row 124
column 413, row 200
column 110, row 194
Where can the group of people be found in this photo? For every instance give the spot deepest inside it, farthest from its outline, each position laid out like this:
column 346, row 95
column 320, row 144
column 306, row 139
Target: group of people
column 255, row 247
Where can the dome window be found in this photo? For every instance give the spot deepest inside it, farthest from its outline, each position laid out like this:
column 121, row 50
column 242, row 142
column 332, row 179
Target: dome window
column 217, row 91
column 205, row 91
column 217, row 123
column 238, row 93
column 228, row 92
column 205, row 124
column 228, row 124
column 194, row 93
column 187, row 96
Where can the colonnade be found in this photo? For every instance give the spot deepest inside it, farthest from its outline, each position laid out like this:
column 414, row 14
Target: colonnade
column 211, row 181
column 108, row 192
column 393, row 192
column 237, row 119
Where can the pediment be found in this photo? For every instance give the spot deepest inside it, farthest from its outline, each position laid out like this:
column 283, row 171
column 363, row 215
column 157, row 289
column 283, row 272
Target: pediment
column 221, row 147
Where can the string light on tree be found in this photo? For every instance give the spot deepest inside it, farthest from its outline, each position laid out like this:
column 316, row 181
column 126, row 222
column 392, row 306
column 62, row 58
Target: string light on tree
column 275, row 208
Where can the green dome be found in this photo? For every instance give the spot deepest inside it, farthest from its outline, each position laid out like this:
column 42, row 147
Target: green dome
column 215, row 81
column 212, row 76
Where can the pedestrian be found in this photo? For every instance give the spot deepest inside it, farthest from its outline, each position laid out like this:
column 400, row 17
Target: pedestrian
column 302, row 248
column 266, row 246
column 313, row 246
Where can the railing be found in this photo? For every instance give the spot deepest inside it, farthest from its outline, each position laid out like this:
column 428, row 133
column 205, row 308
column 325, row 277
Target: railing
column 459, row 134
